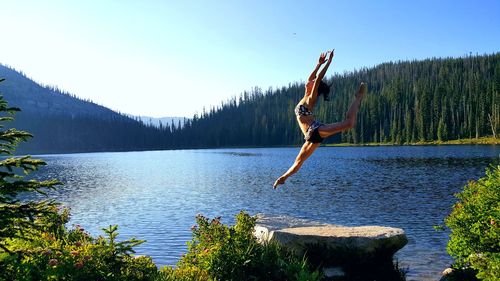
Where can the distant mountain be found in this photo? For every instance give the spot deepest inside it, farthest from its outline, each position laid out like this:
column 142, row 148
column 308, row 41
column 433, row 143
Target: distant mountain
column 22, row 92
column 63, row 123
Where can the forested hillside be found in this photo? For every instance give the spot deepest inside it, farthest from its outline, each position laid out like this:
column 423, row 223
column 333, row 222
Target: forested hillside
column 62, row 123
column 407, row 102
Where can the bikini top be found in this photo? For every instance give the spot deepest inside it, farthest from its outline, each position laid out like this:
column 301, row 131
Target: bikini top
column 302, row 110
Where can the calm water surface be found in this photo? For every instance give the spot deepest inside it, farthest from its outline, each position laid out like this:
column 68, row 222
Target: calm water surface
column 156, row 195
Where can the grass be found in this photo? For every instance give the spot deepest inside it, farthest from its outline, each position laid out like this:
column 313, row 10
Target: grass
column 478, row 141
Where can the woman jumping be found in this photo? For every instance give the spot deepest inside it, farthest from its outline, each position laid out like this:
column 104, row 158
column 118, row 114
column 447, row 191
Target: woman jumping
column 314, row 131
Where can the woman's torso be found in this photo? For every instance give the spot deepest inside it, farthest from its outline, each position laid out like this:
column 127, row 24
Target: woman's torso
column 305, row 120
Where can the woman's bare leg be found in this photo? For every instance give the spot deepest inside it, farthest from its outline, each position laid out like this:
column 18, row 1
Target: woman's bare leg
column 350, row 121
column 306, row 151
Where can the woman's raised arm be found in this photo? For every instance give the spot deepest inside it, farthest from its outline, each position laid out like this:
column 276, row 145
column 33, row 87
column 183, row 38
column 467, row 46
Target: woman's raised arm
column 321, row 60
column 325, row 68
column 322, row 73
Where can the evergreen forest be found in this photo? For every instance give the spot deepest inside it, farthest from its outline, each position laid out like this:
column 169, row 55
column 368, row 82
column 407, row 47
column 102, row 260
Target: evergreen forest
column 407, row 102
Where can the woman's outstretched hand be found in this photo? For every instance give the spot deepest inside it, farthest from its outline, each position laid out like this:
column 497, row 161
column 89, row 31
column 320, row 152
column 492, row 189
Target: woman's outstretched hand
column 280, row 180
column 330, row 58
column 322, row 58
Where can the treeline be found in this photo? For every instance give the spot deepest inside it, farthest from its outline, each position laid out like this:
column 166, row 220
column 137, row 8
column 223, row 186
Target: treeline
column 60, row 133
column 407, row 102
column 67, row 134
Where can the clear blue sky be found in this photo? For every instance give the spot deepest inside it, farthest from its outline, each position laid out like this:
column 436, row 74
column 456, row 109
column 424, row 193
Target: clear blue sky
column 171, row 58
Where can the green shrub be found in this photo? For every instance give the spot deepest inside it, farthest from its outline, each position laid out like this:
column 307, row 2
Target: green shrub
column 233, row 253
column 475, row 227
column 75, row 256
column 185, row 273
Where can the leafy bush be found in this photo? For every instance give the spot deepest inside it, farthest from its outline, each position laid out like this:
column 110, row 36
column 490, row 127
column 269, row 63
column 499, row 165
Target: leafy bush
column 185, row 273
column 75, row 256
column 475, row 226
column 220, row 252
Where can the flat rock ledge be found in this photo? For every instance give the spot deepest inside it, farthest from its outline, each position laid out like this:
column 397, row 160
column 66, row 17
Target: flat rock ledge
column 331, row 245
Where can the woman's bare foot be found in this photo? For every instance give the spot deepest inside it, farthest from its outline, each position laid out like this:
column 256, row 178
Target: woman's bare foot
column 280, row 180
column 361, row 92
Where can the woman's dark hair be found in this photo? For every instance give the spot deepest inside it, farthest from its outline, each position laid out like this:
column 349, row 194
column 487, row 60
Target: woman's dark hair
column 324, row 89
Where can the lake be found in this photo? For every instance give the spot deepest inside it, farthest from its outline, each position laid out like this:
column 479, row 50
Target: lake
column 155, row 195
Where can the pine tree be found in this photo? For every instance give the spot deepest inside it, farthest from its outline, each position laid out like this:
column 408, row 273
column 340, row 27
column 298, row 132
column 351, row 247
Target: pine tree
column 441, row 131
column 20, row 217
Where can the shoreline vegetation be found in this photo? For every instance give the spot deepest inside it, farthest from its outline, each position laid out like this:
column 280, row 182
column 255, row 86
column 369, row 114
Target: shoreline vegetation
column 471, row 141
